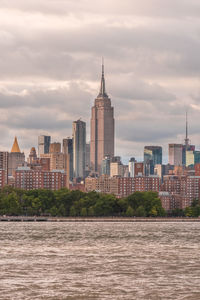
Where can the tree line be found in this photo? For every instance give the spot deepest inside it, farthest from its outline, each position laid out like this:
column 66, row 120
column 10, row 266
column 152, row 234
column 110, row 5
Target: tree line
column 66, row 203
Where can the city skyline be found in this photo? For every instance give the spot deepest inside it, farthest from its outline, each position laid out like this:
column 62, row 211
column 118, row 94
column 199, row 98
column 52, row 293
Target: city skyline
column 166, row 158
column 50, row 74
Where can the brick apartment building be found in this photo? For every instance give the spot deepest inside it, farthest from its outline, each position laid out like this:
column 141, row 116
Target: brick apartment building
column 28, row 179
column 3, row 181
column 122, row 186
column 182, row 190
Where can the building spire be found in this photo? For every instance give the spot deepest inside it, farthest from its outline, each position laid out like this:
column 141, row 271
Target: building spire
column 102, row 92
column 15, row 147
column 186, row 131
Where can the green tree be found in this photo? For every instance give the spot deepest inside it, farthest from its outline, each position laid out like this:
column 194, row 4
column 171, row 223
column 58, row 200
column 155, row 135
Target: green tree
column 140, row 211
column 36, row 205
column 62, row 210
column 13, row 204
column 84, row 212
column 91, row 211
column 177, row 212
column 196, row 211
column 188, row 212
column 72, row 211
column 53, row 211
column 130, row 212
column 123, row 205
column 153, row 212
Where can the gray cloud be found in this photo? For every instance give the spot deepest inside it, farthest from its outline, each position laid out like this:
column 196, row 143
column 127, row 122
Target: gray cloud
column 50, row 68
column 171, row 8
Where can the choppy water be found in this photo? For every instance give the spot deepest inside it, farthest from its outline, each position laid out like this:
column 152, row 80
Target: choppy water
column 100, row 261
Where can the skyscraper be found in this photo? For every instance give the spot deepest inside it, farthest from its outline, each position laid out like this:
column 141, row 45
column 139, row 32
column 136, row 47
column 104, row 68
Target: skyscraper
column 105, row 166
column 68, row 149
column 153, row 153
column 15, row 158
column 102, row 128
column 175, row 154
column 4, row 165
column 55, row 148
column 32, row 156
column 187, row 146
column 79, row 148
column 131, row 166
column 152, row 157
column 87, row 159
column 43, row 144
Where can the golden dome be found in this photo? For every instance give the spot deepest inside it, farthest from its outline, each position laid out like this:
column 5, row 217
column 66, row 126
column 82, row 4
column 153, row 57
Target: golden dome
column 15, row 147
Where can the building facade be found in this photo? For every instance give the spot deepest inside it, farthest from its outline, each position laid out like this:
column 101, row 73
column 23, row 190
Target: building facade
column 102, row 128
column 15, row 158
column 4, row 167
column 68, row 149
column 105, row 166
column 79, row 148
column 153, row 153
column 3, row 178
column 43, row 144
column 175, row 154
column 184, row 189
column 122, row 186
column 131, row 167
column 28, row 179
column 55, row 148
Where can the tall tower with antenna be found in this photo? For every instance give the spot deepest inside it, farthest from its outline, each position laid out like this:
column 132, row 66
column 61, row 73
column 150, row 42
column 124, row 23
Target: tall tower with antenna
column 187, row 141
column 102, row 128
column 188, row 149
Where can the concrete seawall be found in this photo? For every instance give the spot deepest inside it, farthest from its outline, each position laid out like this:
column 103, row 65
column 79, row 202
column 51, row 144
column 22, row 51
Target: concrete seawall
column 100, row 219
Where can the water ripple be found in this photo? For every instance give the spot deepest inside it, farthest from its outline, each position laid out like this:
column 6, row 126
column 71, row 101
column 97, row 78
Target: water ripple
column 79, row 261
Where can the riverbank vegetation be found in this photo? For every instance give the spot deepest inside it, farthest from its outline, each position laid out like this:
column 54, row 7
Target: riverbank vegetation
column 66, row 203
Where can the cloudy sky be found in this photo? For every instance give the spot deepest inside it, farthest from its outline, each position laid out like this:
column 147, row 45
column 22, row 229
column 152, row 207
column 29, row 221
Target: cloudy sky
column 50, row 67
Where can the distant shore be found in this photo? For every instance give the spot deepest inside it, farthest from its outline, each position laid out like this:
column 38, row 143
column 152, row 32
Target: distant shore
column 95, row 219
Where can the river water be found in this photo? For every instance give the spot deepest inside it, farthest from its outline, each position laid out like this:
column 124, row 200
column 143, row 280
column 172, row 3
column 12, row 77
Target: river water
column 83, row 261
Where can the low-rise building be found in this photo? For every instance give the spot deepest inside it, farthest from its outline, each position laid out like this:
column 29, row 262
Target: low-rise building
column 122, row 186
column 28, row 179
column 184, row 188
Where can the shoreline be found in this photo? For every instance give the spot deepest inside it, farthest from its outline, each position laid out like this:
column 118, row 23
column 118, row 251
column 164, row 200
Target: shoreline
column 96, row 219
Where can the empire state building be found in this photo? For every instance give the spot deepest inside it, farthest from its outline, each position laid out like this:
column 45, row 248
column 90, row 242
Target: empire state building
column 102, row 128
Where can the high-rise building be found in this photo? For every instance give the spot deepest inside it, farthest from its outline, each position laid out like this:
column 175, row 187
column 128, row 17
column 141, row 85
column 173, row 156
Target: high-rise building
column 87, row 160
column 102, row 128
column 3, row 178
column 55, row 148
column 105, row 166
column 57, row 160
column 79, row 148
column 4, row 166
column 196, row 157
column 189, row 158
column 160, row 170
column 131, row 166
column 43, row 144
column 116, row 169
column 139, row 169
column 187, row 147
column 152, row 157
column 68, row 149
column 32, row 156
column 175, row 154
column 15, row 158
